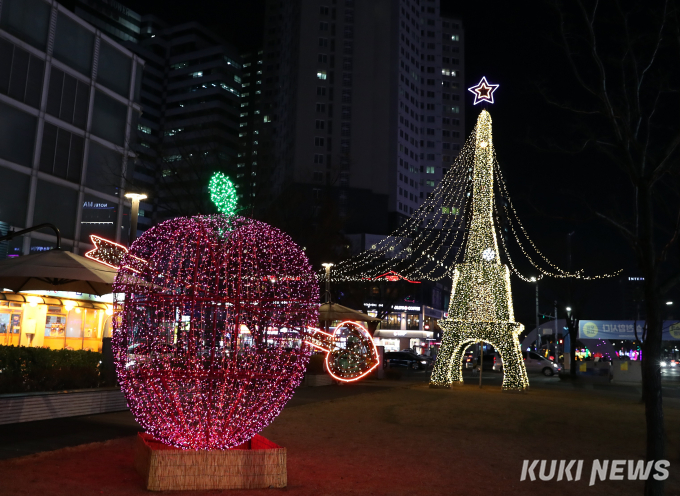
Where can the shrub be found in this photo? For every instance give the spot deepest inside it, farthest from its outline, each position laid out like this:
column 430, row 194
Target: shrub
column 27, row 369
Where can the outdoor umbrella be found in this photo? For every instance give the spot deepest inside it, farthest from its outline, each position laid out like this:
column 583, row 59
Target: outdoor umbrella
column 333, row 311
column 56, row 270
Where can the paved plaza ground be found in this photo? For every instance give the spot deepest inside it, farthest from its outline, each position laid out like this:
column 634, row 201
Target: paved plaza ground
column 378, row 438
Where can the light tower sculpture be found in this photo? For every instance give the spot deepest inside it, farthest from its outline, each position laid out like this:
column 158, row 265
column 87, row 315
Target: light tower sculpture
column 481, row 299
column 455, row 223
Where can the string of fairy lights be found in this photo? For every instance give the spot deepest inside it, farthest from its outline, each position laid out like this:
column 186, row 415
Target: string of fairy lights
column 512, row 212
column 430, row 242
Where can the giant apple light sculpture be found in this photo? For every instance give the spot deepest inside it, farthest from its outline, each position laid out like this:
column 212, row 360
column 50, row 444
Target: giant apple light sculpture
column 210, row 318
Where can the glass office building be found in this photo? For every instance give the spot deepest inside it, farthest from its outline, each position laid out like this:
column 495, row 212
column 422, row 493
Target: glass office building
column 68, row 103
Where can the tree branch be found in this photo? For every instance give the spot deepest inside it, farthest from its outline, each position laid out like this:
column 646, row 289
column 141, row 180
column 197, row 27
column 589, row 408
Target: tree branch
column 669, row 283
column 624, row 230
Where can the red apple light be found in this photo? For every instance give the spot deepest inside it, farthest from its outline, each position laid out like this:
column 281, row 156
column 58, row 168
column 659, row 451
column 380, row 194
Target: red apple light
column 208, row 333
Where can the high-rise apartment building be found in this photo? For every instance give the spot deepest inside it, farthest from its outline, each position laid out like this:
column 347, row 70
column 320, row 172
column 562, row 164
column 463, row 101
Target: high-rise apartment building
column 68, row 103
column 363, row 99
column 191, row 97
column 253, row 170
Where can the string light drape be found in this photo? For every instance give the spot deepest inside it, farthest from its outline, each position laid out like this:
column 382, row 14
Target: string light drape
column 208, row 334
column 429, row 244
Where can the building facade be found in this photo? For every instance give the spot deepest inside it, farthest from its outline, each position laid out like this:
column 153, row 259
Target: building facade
column 254, row 158
column 114, row 19
column 191, row 99
column 191, row 102
column 69, row 100
column 363, row 99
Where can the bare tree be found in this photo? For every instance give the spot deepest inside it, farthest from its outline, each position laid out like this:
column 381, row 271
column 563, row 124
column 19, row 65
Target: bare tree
column 623, row 57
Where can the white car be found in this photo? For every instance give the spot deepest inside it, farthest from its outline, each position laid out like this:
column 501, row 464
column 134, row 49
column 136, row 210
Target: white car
column 533, row 363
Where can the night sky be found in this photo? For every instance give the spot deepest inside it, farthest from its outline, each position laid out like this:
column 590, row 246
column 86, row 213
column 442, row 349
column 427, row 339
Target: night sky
column 511, row 43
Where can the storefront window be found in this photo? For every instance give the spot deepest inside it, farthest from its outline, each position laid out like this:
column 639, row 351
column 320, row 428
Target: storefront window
column 392, row 321
column 389, row 344
column 84, row 329
column 430, row 324
column 55, row 323
column 41, row 321
column 412, row 322
column 10, row 323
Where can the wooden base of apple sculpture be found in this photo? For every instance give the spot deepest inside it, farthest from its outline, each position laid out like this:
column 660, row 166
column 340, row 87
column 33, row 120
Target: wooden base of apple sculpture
column 256, row 464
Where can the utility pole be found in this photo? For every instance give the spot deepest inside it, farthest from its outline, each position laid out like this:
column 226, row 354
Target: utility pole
column 557, row 341
column 538, row 335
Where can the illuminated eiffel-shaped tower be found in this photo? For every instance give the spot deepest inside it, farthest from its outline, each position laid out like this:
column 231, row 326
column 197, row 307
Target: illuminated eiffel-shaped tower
column 481, row 299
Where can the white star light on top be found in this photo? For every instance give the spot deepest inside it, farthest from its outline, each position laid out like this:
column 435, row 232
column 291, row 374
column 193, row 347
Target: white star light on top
column 483, row 91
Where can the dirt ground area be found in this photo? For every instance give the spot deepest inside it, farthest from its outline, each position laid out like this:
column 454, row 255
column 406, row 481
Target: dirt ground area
column 405, row 440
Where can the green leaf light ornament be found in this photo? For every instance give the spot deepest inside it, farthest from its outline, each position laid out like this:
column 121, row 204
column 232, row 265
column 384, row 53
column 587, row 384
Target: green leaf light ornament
column 223, row 194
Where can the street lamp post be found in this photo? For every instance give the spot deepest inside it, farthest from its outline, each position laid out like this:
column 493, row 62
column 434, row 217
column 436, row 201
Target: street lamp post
column 134, row 213
column 568, row 322
column 538, row 338
column 328, row 266
column 557, row 341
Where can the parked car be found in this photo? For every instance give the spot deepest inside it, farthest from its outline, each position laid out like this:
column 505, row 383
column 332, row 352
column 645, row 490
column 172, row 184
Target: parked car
column 408, row 359
column 497, row 363
column 424, row 358
column 533, row 363
column 469, row 360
